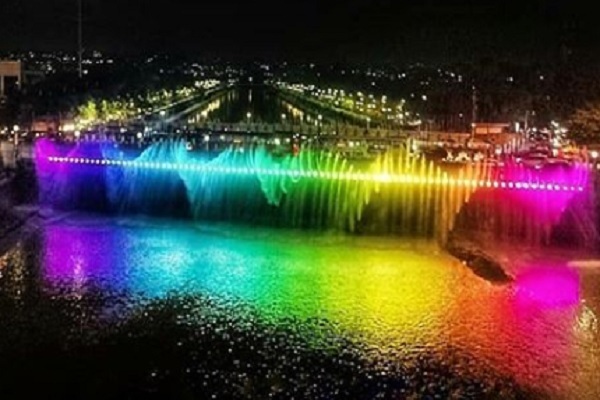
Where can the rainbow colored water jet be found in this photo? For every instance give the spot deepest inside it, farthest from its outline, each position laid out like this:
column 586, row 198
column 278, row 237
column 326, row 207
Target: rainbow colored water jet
column 397, row 192
column 389, row 178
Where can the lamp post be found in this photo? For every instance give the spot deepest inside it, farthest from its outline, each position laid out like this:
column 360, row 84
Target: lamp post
column 80, row 37
column 473, row 112
column 319, row 125
column 162, row 114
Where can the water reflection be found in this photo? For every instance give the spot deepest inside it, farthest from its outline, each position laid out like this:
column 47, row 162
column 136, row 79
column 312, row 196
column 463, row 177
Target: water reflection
column 15, row 260
column 256, row 105
column 397, row 301
column 549, row 287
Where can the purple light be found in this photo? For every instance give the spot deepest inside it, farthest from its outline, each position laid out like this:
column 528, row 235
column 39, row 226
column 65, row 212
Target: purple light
column 550, row 286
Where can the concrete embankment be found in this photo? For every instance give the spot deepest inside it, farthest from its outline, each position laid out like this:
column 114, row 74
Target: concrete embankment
column 13, row 214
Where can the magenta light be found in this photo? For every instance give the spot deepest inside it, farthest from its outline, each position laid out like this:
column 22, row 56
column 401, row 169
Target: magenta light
column 551, row 286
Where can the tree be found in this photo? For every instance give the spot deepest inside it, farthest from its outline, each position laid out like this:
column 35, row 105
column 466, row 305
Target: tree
column 88, row 111
column 584, row 124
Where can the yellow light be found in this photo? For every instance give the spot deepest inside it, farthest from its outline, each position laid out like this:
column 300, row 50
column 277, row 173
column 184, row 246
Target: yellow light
column 68, row 127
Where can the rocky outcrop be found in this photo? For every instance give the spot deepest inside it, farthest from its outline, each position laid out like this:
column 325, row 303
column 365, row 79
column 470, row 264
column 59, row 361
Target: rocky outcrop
column 481, row 263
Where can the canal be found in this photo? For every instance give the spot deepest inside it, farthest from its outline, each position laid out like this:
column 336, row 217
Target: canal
column 255, row 104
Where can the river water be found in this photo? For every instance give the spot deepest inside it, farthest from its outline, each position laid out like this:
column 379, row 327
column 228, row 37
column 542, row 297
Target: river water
column 100, row 307
column 256, row 104
column 96, row 307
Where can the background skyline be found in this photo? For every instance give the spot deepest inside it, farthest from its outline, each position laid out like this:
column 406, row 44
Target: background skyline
column 355, row 30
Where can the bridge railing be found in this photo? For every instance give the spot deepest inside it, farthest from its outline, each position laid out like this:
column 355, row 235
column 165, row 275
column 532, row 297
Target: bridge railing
column 345, row 130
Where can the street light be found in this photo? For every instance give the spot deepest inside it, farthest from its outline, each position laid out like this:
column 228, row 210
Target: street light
column 248, row 120
column 318, row 123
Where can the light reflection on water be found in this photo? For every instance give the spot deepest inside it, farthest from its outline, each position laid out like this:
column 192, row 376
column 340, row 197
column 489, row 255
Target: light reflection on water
column 395, row 299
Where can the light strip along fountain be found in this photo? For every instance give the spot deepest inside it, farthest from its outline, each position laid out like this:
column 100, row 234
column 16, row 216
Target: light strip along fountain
column 395, row 193
column 383, row 178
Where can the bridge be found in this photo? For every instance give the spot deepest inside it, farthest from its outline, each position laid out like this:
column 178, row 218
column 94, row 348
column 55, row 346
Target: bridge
column 332, row 130
column 10, row 69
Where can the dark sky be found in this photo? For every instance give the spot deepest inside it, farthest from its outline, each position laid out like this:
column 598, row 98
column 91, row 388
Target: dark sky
column 351, row 30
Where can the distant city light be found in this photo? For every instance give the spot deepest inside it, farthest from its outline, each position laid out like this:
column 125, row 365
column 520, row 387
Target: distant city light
column 68, row 127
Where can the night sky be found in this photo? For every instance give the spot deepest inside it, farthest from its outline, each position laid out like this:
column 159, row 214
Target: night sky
column 352, row 30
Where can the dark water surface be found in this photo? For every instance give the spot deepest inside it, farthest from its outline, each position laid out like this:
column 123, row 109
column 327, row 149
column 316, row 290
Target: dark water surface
column 257, row 104
column 138, row 308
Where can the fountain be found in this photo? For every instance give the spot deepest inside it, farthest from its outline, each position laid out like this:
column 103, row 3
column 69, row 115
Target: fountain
column 528, row 216
column 397, row 192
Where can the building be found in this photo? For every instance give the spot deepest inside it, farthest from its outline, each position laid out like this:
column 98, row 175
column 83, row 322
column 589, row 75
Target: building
column 487, row 129
column 11, row 76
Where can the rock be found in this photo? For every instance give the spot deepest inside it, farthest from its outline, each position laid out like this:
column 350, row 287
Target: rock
column 482, row 264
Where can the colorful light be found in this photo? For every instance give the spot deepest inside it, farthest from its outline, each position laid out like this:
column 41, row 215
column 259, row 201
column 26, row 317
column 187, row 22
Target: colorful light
column 383, row 178
column 549, row 286
column 398, row 303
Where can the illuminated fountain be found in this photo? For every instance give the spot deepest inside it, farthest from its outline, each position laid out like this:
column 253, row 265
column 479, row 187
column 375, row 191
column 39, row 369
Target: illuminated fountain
column 396, row 193
column 530, row 213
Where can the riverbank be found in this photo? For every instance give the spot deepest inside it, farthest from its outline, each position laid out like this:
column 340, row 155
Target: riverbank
column 13, row 216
